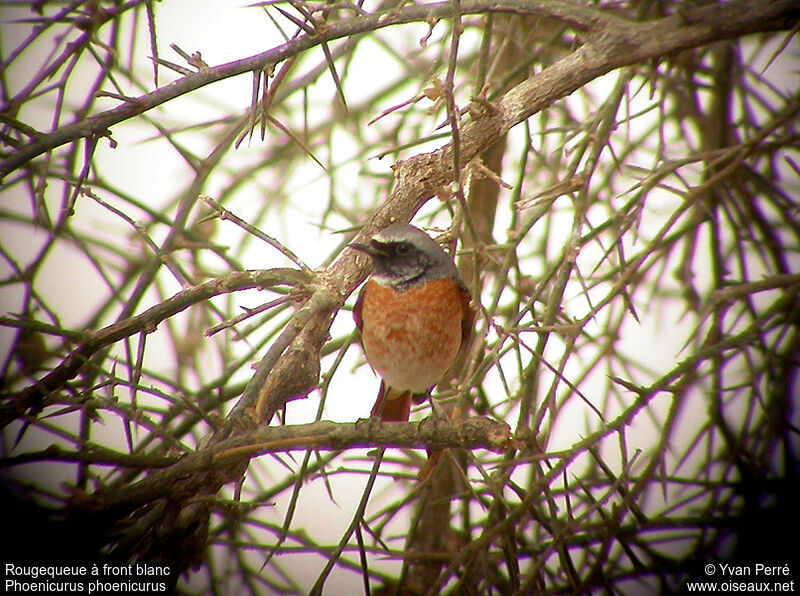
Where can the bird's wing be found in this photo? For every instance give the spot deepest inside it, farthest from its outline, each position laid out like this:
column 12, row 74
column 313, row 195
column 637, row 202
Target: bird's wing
column 357, row 308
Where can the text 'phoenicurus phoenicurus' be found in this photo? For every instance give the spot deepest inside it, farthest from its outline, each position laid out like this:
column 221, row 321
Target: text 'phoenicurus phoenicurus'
column 414, row 316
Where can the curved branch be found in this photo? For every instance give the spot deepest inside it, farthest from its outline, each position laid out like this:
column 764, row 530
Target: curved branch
column 469, row 433
column 631, row 42
column 613, row 43
column 190, row 475
column 14, row 405
column 99, row 124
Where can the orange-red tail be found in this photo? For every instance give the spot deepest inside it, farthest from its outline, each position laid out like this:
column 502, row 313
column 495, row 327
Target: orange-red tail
column 391, row 405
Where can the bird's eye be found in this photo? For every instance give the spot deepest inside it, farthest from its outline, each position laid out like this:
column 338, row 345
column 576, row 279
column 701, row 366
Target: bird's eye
column 402, row 249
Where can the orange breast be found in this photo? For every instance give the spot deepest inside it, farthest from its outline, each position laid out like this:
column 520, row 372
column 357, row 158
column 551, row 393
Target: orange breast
column 411, row 338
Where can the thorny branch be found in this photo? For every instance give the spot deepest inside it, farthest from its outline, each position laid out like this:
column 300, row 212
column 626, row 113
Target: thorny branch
column 39, row 395
column 290, row 367
column 614, row 42
column 470, row 433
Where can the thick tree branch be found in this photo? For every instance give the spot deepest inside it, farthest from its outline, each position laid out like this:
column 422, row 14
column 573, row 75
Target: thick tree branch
column 631, row 42
column 100, row 124
column 189, row 475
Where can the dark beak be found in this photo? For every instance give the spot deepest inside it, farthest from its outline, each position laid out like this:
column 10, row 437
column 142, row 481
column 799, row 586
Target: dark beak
column 374, row 249
column 360, row 247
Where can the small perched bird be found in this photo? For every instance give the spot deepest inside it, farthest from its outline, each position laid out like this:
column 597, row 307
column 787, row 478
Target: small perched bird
column 414, row 316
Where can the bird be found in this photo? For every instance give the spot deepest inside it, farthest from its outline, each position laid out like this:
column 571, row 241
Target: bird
column 414, row 316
